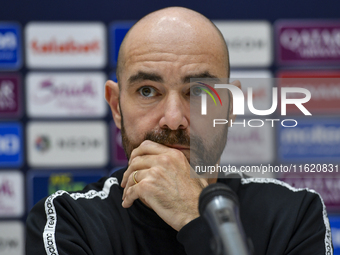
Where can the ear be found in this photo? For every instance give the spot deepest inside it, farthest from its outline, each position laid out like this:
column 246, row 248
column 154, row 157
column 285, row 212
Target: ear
column 232, row 116
column 112, row 98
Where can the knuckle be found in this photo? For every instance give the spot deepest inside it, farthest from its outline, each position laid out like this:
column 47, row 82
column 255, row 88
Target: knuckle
column 128, row 192
column 130, row 179
column 165, row 159
column 156, row 173
column 134, row 152
column 155, row 170
column 144, row 188
column 145, row 143
column 135, row 159
column 176, row 154
column 125, row 175
column 142, row 184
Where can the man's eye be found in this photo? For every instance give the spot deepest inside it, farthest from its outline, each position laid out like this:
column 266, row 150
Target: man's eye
column 195, row 91
column 147, row 91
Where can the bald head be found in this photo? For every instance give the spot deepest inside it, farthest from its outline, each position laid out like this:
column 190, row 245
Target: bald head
column 170, row 27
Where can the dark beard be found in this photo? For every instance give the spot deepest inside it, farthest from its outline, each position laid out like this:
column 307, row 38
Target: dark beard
column 200, row 155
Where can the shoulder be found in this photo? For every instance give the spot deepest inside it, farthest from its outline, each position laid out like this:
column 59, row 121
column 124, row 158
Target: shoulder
column 282, row 197
column 79, row 204
column 280, row 193
column 278, row 187
column 299, row 214
column 73, row 204
column 65, row 216
column 94, row 193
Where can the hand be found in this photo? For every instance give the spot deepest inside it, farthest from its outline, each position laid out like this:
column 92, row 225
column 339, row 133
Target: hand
column 164, row 183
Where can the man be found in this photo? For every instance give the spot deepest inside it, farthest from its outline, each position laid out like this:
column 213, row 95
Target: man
column 151, row 207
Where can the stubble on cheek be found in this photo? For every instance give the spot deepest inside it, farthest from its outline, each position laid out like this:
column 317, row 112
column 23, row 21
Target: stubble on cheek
column 201, row 153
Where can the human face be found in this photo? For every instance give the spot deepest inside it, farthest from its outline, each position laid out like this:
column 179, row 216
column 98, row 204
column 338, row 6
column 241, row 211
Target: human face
column 155, row 89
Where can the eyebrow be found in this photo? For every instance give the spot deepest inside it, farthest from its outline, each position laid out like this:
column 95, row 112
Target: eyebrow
column 203, row 75
column 143, row 76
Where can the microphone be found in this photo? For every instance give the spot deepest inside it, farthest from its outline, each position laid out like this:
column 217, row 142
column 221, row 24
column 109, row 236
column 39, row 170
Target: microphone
column 219, row 206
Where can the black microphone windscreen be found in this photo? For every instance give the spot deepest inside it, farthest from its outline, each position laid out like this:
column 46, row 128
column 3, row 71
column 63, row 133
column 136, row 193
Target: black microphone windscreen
column 213, row 190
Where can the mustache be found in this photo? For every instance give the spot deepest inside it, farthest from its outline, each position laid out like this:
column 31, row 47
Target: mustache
column 179, row 137
column 168, row 137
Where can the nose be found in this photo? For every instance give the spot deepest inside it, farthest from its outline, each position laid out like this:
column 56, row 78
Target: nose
column 176, row 113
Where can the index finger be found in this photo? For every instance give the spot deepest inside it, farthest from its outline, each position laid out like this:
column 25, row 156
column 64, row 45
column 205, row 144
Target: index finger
column 148, row 147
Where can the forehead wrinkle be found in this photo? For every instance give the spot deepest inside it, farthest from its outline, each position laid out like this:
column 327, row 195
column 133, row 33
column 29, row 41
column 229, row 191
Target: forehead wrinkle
column 151, row 55
column 145, row 76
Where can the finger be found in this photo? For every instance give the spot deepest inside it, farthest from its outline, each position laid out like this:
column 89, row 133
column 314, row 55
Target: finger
column 130, row 182
column 134, row 191
column 138, row 163
column 148, row 147
column 132, row 194
column 237, row 83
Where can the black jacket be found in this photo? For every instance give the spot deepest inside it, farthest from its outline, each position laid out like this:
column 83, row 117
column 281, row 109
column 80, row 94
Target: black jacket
column 278, row 218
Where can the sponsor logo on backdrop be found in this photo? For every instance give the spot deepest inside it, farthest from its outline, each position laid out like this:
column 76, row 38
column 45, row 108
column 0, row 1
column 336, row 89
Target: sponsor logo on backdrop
column 11, row 149
column 243, row 146
column 313, row 140
column 80, row 143
column 10, row 105
column 323, row 86
column 10, row 144
column 42, row 143
column 10, row 46
column 70, row 46
column 66, row 95
column 11, row 238
column 63, row 182
column 65, row 45
column 11, row 194
column 308, row 42
column 44, row 183
column 249, row 42
column 73, row 144
column 117, row 32
column 118, row 155
column 6, row 188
